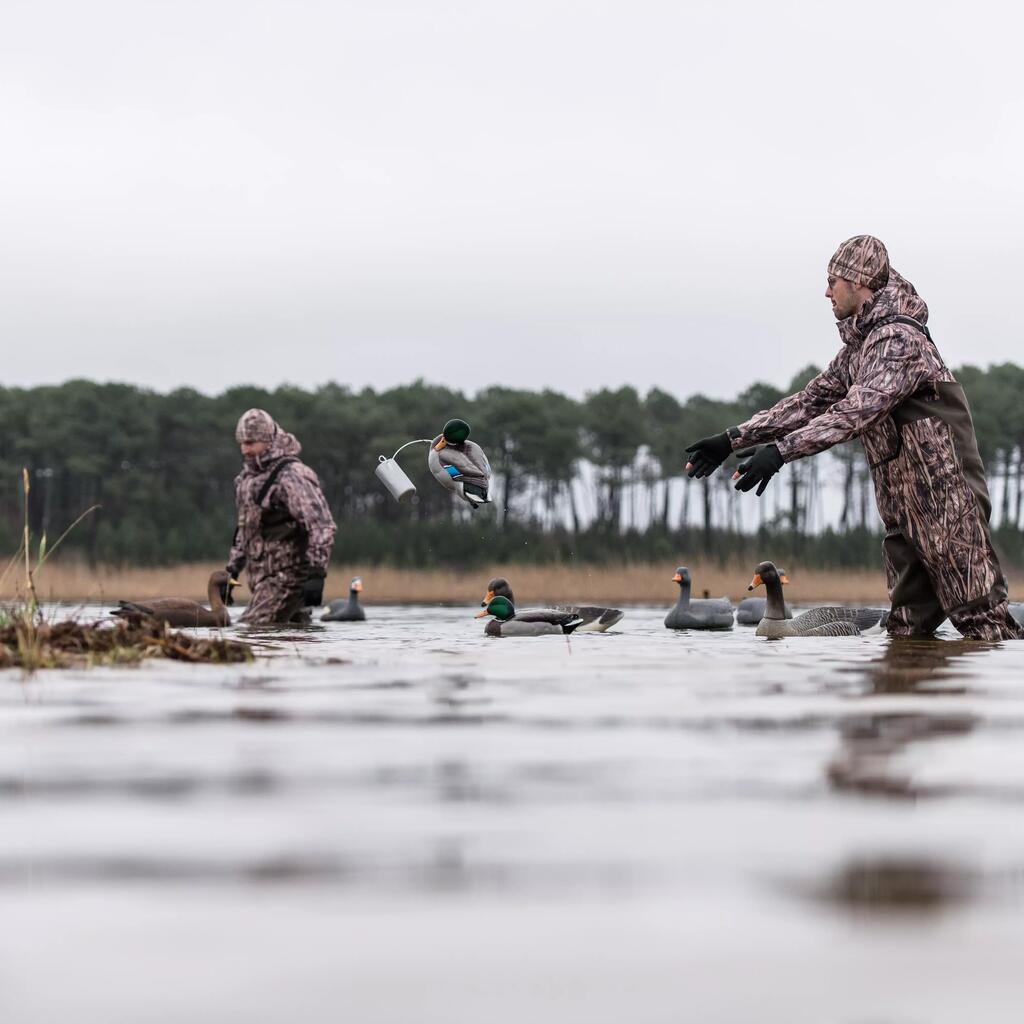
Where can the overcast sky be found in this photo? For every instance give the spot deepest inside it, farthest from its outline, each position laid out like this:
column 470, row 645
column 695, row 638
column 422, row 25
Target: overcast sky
column 532, row 192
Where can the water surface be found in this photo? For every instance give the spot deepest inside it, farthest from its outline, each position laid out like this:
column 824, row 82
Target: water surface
column 405, row 821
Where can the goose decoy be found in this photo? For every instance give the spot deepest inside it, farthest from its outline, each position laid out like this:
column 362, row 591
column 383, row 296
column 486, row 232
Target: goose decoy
column 539, row 622
column 460, row 465
column 180, row 611
column 350, row 610
column 713, row 613
column 750, row 611
column 816, row 622
column 595, row 620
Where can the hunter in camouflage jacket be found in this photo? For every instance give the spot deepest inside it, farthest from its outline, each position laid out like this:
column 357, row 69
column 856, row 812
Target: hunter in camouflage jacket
column 889, row 386
column 285, row 528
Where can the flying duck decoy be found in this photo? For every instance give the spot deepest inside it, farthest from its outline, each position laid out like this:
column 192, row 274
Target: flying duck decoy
column 713, row 613
column 350, row 610
column 180, row 611
column 594, row 619
column 540, row 622
column 816, row 622
column 460, row 465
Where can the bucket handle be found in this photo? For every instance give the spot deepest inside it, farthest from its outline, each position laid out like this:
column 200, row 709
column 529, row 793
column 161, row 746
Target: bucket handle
column 419, row 440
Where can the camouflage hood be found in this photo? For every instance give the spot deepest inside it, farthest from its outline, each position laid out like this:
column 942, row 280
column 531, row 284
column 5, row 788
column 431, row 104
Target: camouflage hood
column 898, row 298
column 281, row 445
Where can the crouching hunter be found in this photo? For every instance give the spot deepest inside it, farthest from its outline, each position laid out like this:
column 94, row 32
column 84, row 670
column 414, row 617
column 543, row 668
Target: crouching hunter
column 889, row 386
column 285, row 529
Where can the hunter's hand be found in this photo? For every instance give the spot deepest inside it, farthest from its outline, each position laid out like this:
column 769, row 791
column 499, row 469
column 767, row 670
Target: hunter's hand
column 760, row 466
column 707, row 454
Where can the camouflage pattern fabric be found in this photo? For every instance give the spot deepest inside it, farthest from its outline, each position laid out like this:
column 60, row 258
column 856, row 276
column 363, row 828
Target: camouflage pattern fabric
column 277, row 566
column 255, row 425
column 929, row 483
column 861, row 260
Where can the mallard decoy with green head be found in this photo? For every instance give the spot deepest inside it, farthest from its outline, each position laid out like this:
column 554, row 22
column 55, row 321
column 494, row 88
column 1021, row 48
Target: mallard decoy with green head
column 460, row 465
column 594, row 619
column 540, row 622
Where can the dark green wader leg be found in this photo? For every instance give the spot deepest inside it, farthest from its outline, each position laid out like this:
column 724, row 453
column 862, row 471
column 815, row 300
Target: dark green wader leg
column 916, row 609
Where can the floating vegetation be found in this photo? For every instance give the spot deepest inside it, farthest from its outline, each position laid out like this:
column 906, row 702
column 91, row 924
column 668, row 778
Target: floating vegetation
column 30, row 643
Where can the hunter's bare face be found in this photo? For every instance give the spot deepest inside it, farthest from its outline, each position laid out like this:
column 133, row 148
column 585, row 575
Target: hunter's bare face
column 845, row 297
column 251, row 449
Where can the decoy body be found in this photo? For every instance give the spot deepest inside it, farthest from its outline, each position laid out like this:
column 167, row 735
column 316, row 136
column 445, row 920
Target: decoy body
column 180, row 611
column 816, row 622
column 703, row 613
column 459, row 464
column 539, row 622
column 593, row 619
column 349, row 610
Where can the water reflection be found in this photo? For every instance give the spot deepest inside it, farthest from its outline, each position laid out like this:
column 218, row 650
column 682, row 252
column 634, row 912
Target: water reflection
column 897, row 885
column 870, row 743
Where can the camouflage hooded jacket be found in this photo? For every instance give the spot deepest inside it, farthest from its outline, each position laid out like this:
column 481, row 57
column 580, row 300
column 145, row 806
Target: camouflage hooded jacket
column 295, row 492
column 877, row 368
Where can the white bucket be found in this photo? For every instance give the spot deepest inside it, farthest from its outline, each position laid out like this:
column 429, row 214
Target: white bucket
column 393, row 477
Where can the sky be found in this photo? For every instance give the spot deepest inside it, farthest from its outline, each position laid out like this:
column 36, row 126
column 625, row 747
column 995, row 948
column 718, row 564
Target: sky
column 538, row 193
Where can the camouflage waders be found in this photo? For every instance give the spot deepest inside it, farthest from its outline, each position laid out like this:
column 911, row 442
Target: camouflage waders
column 285, row 528
column 890, row 387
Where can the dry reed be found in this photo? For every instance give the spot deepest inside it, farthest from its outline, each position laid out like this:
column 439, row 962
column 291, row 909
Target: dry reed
column 649, row 584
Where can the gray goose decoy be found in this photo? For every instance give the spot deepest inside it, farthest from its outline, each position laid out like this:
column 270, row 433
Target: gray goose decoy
column 180, row 611
column 750, row 611
column 350, row 610
column 594, row 619
column 539, row 622
column 714, row 613
column 816, row 622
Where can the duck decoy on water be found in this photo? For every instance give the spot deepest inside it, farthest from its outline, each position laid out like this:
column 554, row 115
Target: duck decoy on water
column 538, row 622
column 816, row 622
column 703, row 613
column 350, row 610
column 459, row 464
column 595, row 619
column 180, row 611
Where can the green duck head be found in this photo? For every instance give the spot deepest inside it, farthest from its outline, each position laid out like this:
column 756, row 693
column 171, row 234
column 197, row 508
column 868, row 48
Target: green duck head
column 455, row 432
column 500, row 607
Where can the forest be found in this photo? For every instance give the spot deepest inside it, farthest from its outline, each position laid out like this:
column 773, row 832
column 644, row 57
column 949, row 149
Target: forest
column 598, row 479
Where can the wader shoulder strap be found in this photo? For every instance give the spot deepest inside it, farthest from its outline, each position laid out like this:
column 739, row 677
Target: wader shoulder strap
column 272, row 478
column 898, row 318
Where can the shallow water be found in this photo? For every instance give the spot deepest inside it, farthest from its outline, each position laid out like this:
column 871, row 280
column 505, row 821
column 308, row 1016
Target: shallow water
column 404, row 821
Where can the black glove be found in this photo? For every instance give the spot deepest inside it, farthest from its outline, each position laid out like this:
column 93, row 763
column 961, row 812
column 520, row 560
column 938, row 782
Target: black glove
column 761, row 465
column 707, row 454
column 313, row 588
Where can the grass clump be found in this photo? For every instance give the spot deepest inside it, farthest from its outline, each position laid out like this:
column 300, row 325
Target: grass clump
column 29, row 642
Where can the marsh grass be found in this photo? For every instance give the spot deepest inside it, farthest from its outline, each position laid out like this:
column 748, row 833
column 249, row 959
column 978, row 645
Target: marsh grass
column 30, row 640
column 626, row 584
